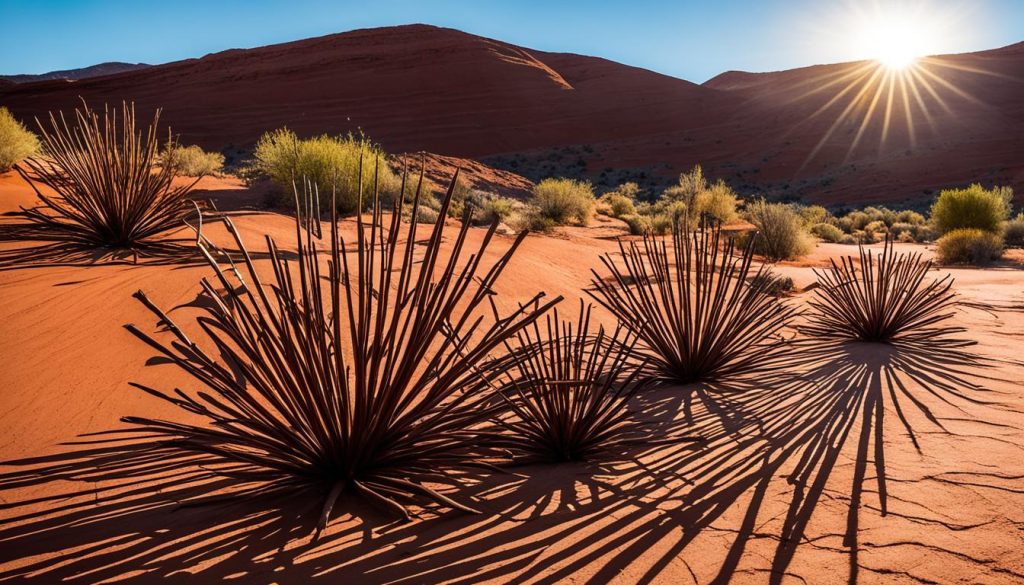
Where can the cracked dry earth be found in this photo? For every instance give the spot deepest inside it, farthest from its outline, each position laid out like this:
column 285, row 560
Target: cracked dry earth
column 859, row 463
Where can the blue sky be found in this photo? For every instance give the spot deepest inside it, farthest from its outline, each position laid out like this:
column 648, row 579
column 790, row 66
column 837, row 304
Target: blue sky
column 692, row 40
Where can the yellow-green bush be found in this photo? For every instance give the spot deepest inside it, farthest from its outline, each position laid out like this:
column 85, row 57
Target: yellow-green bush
column 563, row 201
column 781, row 234
column 327, row 162
column 1013, row 231
column 814, row 215
column 717, row 202
column 618, row 205
column 974, row 207
column 969, row 245
column 16, row 141
column 193, row 161
column 827, row 232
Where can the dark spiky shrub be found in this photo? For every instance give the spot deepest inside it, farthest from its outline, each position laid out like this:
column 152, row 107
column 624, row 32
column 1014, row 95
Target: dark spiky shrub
column 569, row 389
column 881, row 297
column 364, row 375
column 698, row 308
column 110, row 189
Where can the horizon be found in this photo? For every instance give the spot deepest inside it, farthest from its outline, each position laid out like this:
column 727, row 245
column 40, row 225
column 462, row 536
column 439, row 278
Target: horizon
column 763, row 47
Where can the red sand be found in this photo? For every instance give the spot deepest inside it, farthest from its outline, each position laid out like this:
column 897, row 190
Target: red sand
column 419, row 87
column 768, row 494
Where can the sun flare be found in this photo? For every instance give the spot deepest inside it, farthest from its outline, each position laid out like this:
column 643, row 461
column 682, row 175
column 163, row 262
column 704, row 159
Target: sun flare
column 895, row 36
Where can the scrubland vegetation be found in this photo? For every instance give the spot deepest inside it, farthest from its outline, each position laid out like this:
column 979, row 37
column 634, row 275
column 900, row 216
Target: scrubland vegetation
column 16, row 141
column 192, row 161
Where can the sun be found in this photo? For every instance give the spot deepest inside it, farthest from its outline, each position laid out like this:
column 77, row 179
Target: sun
column 894, row 40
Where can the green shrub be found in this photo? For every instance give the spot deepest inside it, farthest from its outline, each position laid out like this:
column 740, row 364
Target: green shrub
column 877, row 229
column 193, row 161
column 827, row 232
column 564, row 201
column 690, row 184
column 853, row 221
column 16, row 141
column 814, row 215
column 427, row 215
column 969, row 245
column 911, row 217
column 717, row 202
column 1013, row 231
column 849, row 240
column 326, row 162
column 973, row 207
column 781, row 233
column 882, row 214
column 658, row 224
column 488, row 207
column 619, row 205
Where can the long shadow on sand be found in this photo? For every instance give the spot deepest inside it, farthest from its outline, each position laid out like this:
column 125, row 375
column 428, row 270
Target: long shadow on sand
column 114, row 510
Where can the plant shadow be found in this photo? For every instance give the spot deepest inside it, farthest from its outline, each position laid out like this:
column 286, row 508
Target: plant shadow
column 109, row 509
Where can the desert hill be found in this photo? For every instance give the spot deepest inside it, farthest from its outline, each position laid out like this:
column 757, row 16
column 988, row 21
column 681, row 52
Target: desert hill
column 98, row 70
column 845, row 133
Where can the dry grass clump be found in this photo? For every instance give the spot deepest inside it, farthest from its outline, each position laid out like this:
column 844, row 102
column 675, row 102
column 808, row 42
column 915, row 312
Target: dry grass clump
column 885, row 297
column 193, row 161
column 16, row 141
column 110, row 188
column 699, row 310
column 969, row 246
column 370, row 374
column 569, row 390
column 780, row 229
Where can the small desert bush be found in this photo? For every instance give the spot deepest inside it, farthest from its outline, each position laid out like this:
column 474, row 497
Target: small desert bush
column 717, row 202
column 910, row 217
column 563, row 201
column 780, row 231
column 1013, row 231
column 814, row 215
column 326, row 162
column 193, row 161
column 427, row 215
column 16, row 141
column 619, row 205
column 969, row 246
column 827, row 232
column 698, row 198
column 974, row 207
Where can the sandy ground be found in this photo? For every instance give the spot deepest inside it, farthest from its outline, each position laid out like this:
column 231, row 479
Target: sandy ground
column 864, row 464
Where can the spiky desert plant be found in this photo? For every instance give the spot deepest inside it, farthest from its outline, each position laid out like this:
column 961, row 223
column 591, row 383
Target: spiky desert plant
column 699, row 310
column 884, row 297
column 569, row 389
column 367, row 375
column 109, row 189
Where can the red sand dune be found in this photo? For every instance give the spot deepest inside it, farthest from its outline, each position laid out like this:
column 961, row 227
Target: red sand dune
column 420, row 87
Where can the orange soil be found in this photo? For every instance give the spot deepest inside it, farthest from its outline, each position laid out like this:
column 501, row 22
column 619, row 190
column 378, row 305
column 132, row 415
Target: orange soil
column 785, row 484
